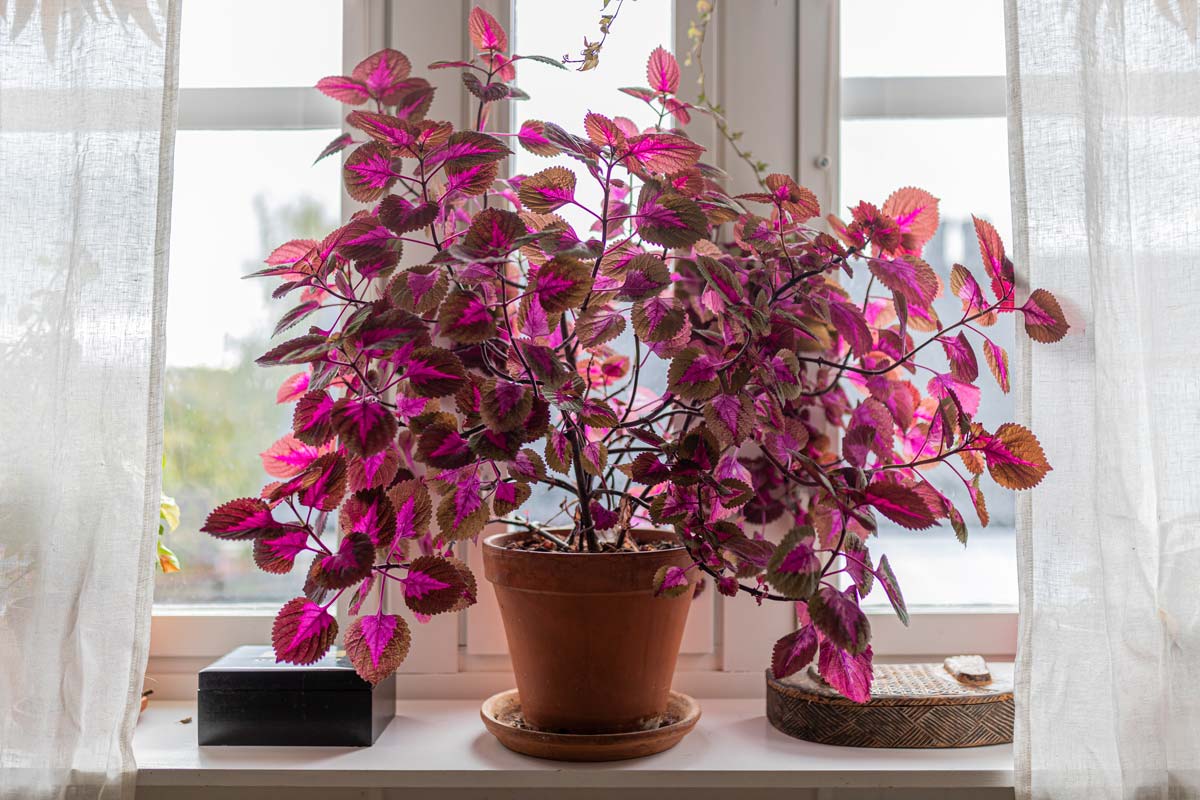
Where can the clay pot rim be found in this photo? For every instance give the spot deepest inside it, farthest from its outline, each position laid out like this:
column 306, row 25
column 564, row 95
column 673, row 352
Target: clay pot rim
column 492, row 542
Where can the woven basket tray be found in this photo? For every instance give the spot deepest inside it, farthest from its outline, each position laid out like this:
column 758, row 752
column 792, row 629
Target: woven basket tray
column 912, row 705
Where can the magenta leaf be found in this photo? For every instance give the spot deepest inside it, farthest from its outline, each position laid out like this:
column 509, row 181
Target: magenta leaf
column 312, row 422
column 303, row 632
column 346, row 566
column 963, row 364
column 562, row 284
column 444, row 447
column 377, row 644
column 368, row 172
column 916, row 214
column 469, row 148
column 1044, row 318
column 908, row 276
column 965, row 395
column 336, row 146
column 998, row 267
column 292, row 388
column 383, row 73
column 794, row 652
column 887, row 578
column 434, row 372
column 383, row 128
column 323, row 484
column 661, row 153
column 850, row 324
column 839, row 618
column 413, row 506
column 244, row 518
column 693, row 375
column 369, row 512
column 486, row 34
column 344, row 90
column 794, row 568
column 277, row 553
column 301, row 350
column 901, row 504
column 662, row 71
column 364, row 427
column 671, row 582
column 433, row 585
column 849, row 673
column 288, row 457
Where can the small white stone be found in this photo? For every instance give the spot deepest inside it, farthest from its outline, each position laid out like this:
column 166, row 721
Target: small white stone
column 971, row 670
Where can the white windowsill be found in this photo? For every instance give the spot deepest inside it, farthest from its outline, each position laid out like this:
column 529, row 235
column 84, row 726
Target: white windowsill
column 443, row 744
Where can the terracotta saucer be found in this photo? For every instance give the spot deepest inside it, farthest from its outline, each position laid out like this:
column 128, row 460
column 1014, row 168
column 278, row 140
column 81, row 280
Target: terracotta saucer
column 499, row 710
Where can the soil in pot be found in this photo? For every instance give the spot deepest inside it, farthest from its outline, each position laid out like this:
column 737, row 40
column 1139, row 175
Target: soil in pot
column 593, row 649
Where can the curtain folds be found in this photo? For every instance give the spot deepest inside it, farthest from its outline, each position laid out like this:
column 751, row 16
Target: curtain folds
column 1104, row 116
column 87, row 117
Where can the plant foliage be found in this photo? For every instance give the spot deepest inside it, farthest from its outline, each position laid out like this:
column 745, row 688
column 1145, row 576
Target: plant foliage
column 454, row 342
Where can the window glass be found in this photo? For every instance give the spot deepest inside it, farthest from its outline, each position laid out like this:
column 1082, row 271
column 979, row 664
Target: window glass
column 261, row 43
column 893, row 38
column 964, row 162
column 237, row 194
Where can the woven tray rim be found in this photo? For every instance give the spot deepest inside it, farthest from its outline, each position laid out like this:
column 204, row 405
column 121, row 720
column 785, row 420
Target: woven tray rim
column 932, row 700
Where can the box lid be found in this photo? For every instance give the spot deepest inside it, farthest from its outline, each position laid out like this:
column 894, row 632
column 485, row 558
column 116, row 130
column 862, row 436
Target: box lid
column 252, row 668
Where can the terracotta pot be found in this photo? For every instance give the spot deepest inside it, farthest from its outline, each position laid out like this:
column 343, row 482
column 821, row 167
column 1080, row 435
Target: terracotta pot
column 593, row 649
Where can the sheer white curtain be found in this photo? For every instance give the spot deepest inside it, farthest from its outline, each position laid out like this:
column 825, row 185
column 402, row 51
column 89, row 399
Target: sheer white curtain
column 87, row 115
column 1105, row 135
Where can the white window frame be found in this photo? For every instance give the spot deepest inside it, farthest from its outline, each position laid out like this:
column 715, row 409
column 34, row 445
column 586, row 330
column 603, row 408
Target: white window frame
column 789, row 100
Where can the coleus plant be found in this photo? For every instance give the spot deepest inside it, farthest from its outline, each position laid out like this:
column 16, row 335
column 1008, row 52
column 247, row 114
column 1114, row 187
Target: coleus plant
column 437, row 395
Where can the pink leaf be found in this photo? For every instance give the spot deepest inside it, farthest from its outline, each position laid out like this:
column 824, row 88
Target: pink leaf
column 901, row 504
column 849, row 674
column 999, row 268
column 293, row 387
column 963, row 364
column 382, row 73
column 377, row 644
column 277, row 554
column 323, row 484
column 312, row 421
column 794, row 652
column 344, row 90
column 965, row 395
column 383, row 128
column 244, row 518
column 661, row 153
column 838, row 617
column 1044, row 318
column 303, row 632
column 288, row 456
column 485, row 31
column 662, row 71
column 916, row 214
column 670, row 582
column 852, row 327
column 364, row 427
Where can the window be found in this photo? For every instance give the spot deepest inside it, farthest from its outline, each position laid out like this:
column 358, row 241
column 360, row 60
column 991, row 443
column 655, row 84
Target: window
column 935, row 118
column 249, row 123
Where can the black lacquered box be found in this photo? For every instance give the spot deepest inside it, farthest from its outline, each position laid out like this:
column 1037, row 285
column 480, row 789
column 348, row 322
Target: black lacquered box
column 246, row 698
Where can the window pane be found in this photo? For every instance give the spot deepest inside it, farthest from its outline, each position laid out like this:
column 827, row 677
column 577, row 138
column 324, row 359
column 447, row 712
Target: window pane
column 905, row 38
column 259, row 43
column 565, row 97
column 237, row 195
column 964, row 162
